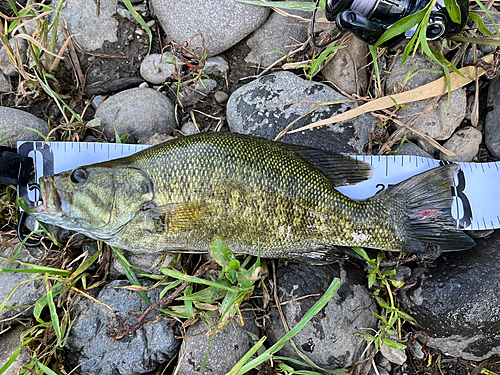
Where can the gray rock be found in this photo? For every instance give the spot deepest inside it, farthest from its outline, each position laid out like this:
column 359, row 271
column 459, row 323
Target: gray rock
column 14, row 123
column 138, row 112
column 469, row 56
column 457, row 301
column 215, row 66
column 189, row 128
column 228, row 347
column 155, row 139
column 6, row 64
column 492, row 125
column 222, row 22
column 416, row 349
column 328, row 338
column 465, row 143
column 410, row 148
column 487, row 21
column 9, row 342
column 157, row 68
column 26, row 294
column 277, row 34
column 486, row 49
column 193, row 93
column 81, row 16
column 124, row 13
column 440, row 122
column 380, row 371
column 4, row 83
column 344, row 69
column 152, row 345
column 397, row 356
column 221, row 97
column 269, row 104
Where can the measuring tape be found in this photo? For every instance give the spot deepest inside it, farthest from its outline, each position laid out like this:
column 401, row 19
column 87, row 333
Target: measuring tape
column 476, row 191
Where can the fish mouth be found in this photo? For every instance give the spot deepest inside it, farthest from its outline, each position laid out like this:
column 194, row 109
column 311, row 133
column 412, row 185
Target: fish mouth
column 51, row 200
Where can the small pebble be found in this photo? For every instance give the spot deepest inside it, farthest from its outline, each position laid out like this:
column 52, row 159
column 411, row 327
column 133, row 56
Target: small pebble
column 397, row 356
column 140, row 7
column 151, row 23
column 125, row 13
column 157, row 68
column 97, row 100
column 221, row 97
column 417, row 349
column 215, row 66
column 4, row 83
column 144, row 84
column 469, row 56
column 189, row 128
column 465, row 143
column 139, row 31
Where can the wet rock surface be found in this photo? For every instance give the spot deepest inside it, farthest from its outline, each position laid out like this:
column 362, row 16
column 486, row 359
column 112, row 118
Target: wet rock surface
column 329, row 338
column 266, row 106
column 228, row 346
column 153, row 344
column 456, row 302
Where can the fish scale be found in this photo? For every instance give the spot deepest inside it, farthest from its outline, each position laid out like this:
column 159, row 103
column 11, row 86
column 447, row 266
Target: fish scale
column 178, row 195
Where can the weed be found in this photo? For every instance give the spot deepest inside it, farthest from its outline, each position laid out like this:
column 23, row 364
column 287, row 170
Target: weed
column 318, row 63
column 392, row 318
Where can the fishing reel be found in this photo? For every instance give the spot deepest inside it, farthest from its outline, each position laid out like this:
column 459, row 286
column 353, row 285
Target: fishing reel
column 369, row 19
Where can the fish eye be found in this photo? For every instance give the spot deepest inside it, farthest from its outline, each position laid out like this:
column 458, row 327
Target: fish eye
column 78, row 176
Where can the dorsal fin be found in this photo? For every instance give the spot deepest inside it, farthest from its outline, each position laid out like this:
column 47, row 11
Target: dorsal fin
column 342, row 170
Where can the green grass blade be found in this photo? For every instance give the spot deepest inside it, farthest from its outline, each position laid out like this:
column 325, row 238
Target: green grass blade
column 141, row 21
column 53, row 316
column 453, row 10
column 247, row 356
column 330, row 292
column 34, row 268
column 290, row 5
column 45, row 369
column 127, row 268
column 401, row 26
column 480, row 23
column 482, row 41
column 181, row 276
column 11, row 360
column 481, row 5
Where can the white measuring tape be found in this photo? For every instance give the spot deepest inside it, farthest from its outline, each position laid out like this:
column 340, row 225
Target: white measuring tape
column 476, row 191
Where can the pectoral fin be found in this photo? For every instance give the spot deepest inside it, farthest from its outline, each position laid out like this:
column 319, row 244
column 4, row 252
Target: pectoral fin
column 180, row 217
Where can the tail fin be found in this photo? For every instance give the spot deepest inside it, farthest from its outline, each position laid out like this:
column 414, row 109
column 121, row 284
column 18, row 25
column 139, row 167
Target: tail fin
column 428, row 211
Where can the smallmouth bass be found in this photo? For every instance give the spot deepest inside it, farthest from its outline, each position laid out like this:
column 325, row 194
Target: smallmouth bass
column 176, row 196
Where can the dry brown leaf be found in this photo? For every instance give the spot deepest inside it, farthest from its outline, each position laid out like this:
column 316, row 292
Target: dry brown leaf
column 430, row 90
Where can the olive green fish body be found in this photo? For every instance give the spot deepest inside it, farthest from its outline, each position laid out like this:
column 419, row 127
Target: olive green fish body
column 178, row 195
